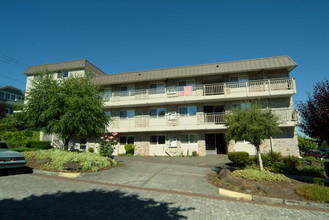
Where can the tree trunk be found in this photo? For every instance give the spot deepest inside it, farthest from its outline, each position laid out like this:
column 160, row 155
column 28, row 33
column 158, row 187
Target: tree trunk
column 66, row 144
column 261, row 167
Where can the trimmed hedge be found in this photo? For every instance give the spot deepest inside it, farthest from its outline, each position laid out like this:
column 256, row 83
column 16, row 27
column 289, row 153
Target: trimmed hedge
column 40, row 144
column 130, row 148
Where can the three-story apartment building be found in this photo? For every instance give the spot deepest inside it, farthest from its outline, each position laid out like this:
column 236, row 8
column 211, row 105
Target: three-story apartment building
column 182, row 110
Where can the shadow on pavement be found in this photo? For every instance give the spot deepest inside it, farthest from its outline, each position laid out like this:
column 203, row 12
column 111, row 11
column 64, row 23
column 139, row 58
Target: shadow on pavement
column 95, row 204
column 15, row 171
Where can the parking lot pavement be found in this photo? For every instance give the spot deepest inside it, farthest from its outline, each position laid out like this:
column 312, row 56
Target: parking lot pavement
column 29, row 196
column 157, row 175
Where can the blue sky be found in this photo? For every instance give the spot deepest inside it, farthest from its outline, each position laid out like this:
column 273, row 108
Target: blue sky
column 122, row 36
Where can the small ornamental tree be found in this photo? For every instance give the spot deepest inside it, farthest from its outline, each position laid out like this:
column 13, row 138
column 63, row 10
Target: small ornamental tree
column 69, row 107
column 315, row 113
column 253, row 125
column 107, row 144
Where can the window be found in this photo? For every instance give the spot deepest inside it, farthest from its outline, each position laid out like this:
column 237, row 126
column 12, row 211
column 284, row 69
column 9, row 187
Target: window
column 62, row 74
column 127, row 114
column 127, row 140
column 240, row 80
column 108, row 113
column 160, row 139
column 189, row 110
column 158, row 112
column 13, row 97
column 189, row 138
column 2, row 94
column 186, row 83
column 127, row 90
column 157, row 88
column 7, row 110
column 7, row 96
column 242, row 105
column 106, row 94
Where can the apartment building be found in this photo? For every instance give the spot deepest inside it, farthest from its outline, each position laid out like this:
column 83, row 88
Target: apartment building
column 181, row 110
column 11, row 97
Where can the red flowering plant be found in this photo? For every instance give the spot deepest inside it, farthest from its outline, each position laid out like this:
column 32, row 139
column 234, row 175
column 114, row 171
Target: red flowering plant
column 107, row 143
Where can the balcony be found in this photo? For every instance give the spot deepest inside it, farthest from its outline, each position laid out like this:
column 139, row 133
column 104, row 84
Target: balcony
column 200, row 121
column 280, row 87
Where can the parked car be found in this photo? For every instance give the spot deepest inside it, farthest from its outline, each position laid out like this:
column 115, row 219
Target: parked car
column 10, row 158
column 325, row 157
column 315, row 153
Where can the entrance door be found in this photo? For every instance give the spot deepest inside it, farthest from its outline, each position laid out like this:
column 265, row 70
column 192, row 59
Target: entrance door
column 215, row 144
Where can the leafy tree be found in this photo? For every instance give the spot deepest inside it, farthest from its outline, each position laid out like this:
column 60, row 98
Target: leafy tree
column 2, row 110
column 251, row 124
column 315, row 113
column 69, row 108
column 306, row 144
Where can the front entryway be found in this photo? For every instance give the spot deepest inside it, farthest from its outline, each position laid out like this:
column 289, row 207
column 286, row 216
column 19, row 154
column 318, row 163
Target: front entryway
column 215, row 143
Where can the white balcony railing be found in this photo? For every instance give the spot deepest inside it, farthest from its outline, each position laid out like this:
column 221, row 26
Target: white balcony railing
column 226, row 90
column 199, row 121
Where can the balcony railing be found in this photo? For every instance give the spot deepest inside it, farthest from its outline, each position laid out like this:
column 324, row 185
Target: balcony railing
column 199, row 121
column 248, row 88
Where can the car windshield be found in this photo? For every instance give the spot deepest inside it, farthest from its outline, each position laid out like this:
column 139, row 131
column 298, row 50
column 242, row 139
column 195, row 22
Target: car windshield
column 3, row 145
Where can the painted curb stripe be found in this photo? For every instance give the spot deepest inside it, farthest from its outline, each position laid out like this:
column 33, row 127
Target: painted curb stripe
column 68, row 175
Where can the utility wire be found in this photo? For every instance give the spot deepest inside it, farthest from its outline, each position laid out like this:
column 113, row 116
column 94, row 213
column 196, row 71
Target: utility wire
column 13, row 61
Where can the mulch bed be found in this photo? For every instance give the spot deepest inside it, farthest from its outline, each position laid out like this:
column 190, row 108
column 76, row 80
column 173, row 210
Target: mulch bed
column 274, row 189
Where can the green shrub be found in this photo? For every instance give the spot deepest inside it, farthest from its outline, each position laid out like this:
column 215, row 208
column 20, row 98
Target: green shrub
column 318, row 181
column 239, row 159
column 252, row 174
column 194, row 153
column 306, row 144
column 130, row 148
column 314, row 192
column 311, row 171
column 59, row 158
column 106, row 149
column 91, row 150
column 309, row 160
column 39, row 144
column 290, row 164
column 19, row 138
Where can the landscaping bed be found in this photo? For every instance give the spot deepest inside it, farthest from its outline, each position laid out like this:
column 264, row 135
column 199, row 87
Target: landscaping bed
column 276, row 189
column 243, row 175
column 64, row 161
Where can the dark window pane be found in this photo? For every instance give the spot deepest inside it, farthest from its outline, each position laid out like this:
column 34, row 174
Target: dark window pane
column 184, row 138
column 161, row 140
column 123, row 114
column 153, row 112
column 192, row 110
column 66, row 74
column 131, row 140
column 183, row 111
column 153, row 139
column 123, row 140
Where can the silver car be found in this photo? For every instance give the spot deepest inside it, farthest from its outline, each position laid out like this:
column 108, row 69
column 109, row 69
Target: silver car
column 10, row 158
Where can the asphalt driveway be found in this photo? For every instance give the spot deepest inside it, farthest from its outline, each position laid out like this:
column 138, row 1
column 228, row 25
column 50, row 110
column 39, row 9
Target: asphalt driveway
column 180, row 174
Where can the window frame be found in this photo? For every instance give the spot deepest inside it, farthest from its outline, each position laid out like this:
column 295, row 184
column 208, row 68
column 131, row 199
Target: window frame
column 157, row 139
column 157, row 112
column 189, row 138
column 127, row 115
column 188, row 110
column 126, row 140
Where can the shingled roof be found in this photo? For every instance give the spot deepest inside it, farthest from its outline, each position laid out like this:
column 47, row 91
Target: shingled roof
column 62, row 66
column 280, row 62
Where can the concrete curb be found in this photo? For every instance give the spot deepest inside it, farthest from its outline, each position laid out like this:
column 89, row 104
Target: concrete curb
column 272, row 200
column 60, row 174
